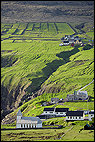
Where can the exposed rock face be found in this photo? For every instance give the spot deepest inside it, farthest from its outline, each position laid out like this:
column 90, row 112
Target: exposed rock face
column 43, row 11
column 7, row 101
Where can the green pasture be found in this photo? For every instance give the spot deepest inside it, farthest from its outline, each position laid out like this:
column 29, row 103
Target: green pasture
column 39, row 29
column 70, row 132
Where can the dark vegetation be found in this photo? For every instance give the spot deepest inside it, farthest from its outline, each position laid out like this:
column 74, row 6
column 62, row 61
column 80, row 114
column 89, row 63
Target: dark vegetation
column 87, row 47
column 8, row 61
column 51, row 11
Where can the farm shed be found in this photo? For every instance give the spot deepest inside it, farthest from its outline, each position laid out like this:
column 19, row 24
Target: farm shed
column 61, row 44
column 27, row 122
column 66, row 42
column 91, row 115
column 74, row 115
column 71, row 40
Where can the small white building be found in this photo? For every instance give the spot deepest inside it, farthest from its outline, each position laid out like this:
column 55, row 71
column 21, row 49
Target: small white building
column 91, row 115
column 61, row 111
column 61, row 44
column 66, row 42
column 75, row 115
column 27, row 122
column 49, row 111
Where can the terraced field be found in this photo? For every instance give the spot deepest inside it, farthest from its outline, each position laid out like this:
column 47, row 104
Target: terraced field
column 31, row 31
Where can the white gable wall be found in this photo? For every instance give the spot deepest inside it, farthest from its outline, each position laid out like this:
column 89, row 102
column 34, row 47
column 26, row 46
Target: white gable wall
column 19, row 117
column 49, row 112
column 60, row 113
column 18, row 125
column 90, row 116
column 39, row 125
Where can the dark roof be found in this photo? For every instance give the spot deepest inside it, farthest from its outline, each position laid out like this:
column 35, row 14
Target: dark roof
column 61, row 109
column 91, row 112
column 66, row 41
column 71, row 39
column 74, row 113
column 48, row 109
column 77, row 37
column 62, row 38
column 79, row 40
column 54, row 99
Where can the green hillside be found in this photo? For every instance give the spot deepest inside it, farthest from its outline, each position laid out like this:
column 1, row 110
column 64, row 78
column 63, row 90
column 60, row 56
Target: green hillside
column 34, row 65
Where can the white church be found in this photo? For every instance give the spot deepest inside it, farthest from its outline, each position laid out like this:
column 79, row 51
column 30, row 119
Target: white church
column 27, row 122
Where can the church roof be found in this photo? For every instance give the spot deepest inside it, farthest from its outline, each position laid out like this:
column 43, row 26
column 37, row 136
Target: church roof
column 32, row 119
column 19, row 113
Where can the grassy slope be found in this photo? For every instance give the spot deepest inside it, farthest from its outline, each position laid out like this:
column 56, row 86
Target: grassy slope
column 42, row 63
column 32, row 57
column 50, row 134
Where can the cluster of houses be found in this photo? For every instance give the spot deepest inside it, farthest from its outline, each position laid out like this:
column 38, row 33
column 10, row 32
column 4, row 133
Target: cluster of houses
column 78, row 95
column 35, row 122
column 64, row 112
column 70, row 39
column 53, row 101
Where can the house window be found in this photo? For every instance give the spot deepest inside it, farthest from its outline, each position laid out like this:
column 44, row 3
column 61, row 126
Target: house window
column 70, row 117
column 21, row 125
column 76, row 117
column 61, row 112
column 79, row 117
column 24, row 125
column 29, row 125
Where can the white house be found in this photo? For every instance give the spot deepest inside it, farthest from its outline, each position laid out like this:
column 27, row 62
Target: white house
column 55, row 111
column 91, row 115
column 27, row 122
column 66, row 42
column 61, row 111
column 75, row 115
column 50, row 111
